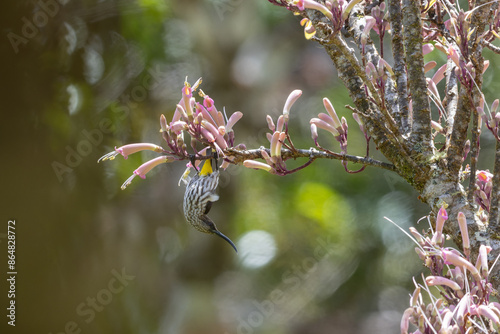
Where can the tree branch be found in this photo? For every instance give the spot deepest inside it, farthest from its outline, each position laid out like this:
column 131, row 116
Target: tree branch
column 401, row 114
column 490, row 46
column 495, row 193
column 451, row 99
column 459, row 132
column 420, row 137
column 312, row 153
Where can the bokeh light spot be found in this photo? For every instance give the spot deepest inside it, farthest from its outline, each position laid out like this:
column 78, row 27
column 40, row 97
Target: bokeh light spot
column 257, row 248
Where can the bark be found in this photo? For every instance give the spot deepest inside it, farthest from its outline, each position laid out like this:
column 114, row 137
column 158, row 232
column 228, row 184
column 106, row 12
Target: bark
column 401, row 114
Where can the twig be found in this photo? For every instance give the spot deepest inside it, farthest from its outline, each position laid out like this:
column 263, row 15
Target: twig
column 490, row 46
column 311, row 153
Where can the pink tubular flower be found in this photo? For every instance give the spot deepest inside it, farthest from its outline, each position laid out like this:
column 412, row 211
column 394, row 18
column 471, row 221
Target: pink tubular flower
column 314, row 132
column 325, row 126
column 222, row 130
column 420, row 253
column 270, row 123
column 326, row 118
column 439, row 75
column 436, row 126
column 415, row 297
column 208, row 102
column 311, row 4
column 432, row 88
column 405, row 321
column 210, row 127
column 427, row 48
column 281, row 138
column 257, row 165
column 417, row 235
column 485, row 311
column 383, row 64
column 462, row 223
column 450, row 257
column 494, row 106
column 215, row 132
column 482, row 260
column 484, row 176
column 447, row 317
column 214, row 113
column 274, row 144
column 187, row 93
column 207, row 135
column 179, row 113
column 126, row 150
column 453, row 55
column 205, row 114
column 359, row 121
column 370, row 22
column 266, row 157
column 290, row 101
column 269, row 136
column 438, row 280
column 163, row 123
column 280, row 123
column 331, row 111
column 235, row 117
column 486, row 64
column 348, row 6
column 178, row 127
column 146, row 167
column 463, row 306
column 441, row 218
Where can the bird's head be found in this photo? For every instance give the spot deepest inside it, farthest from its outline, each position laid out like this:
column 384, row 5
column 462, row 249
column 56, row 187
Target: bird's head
column 208, row 226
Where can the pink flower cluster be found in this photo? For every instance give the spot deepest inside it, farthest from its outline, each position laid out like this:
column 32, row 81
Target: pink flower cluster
column 205, row 124
column 336, row 11
column 337, row 128
column 464, row 304
column 483, row 189
column 278, row 137
column 493, row 120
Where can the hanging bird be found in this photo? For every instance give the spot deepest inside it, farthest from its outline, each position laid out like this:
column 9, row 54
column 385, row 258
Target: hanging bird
column 199, row 196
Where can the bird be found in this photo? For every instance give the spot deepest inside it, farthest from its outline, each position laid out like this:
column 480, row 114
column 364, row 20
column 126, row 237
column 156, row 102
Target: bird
column 199, row 196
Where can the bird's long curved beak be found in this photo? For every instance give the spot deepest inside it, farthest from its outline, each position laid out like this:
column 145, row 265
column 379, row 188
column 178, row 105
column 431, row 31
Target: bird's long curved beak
column 225, row 238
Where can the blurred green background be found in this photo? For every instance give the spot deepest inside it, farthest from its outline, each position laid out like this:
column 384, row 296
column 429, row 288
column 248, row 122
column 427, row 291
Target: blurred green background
column 316, row 254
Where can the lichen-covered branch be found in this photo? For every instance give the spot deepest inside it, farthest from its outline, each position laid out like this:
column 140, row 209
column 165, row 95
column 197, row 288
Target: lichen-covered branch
column 401, row 113
column 494, row 223
column 459, row 133
column 420, row 136
column 451, row 99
